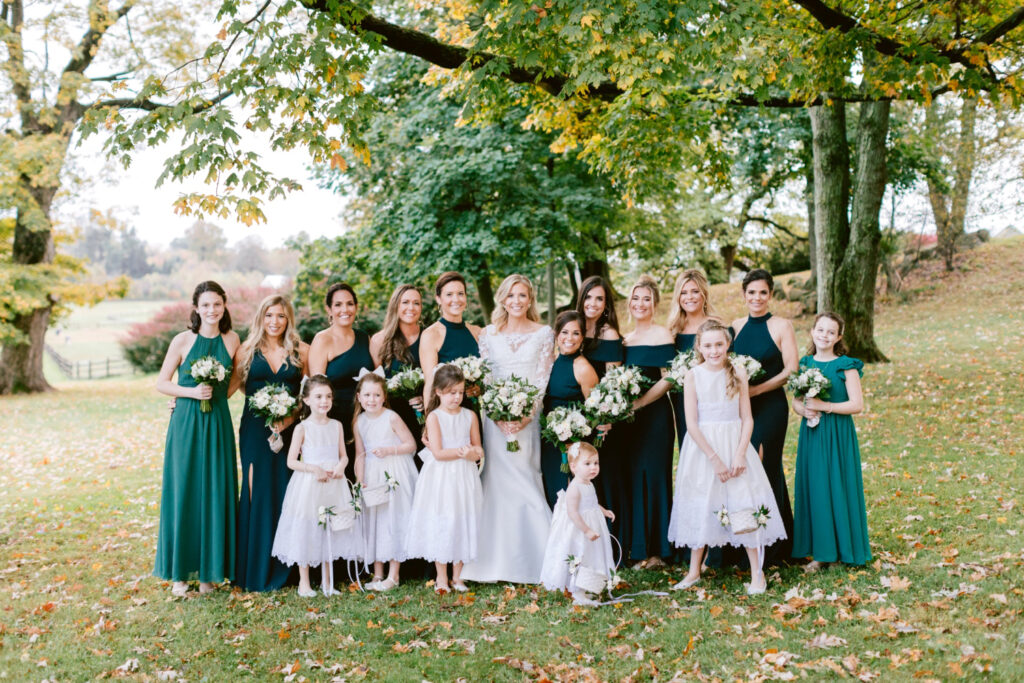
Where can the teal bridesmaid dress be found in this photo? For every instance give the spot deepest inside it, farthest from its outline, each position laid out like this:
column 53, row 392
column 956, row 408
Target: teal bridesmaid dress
column 342, row 371
column 601, row 352
column 259, row 508
column 830, row 517
column 684, row 342
column 647, row 471
column 563, row 390
column 771, row 417
column 458, row 342
column 200, row 482
column 401, row 405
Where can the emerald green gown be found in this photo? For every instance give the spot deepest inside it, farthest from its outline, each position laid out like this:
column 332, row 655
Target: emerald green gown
column 200, row 484
column 830, row 520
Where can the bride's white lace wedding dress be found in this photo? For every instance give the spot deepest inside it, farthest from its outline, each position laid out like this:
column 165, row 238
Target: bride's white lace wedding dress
column 515, row 519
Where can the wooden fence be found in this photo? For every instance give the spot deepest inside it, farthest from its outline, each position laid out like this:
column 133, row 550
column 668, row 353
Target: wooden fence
column 90, row 369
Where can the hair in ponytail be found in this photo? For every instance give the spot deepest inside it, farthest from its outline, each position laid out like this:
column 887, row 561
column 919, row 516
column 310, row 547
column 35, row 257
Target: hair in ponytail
column 445, row 376
column 732, row 381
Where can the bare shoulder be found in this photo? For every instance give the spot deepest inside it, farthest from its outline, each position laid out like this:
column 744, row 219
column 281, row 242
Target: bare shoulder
column 661, row 335
column 231, row 339
column 377, row 339
column 781, row 325
column 475, row 330
column 608, row 332
column 183, row 340
column 738, row 324
column 431, row 333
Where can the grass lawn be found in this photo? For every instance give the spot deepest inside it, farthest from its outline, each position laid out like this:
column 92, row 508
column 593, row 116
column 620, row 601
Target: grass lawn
column 941, row 440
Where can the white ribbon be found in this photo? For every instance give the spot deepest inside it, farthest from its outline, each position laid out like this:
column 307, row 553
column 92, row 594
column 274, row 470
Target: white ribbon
column 363, row 372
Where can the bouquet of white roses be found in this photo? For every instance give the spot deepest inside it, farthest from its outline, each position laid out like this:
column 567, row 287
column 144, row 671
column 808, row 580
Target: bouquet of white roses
column 565, row 425
column 612, row 399
column 809, row 383
column 681, row 365
column 751, row 365
column 509, row 400
column 273, row 403
column 405, row 384
column 207, row 370
column 476, row 372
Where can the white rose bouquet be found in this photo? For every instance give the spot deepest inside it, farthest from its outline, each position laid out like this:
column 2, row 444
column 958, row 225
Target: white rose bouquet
column 809, row 383
column 563, row 426
column 476, row 371
column 509, row 400
column 751, row 365
column 612, row 399
column 405, row 384
column 273, row 403
column 207, row 370
column 681, row 365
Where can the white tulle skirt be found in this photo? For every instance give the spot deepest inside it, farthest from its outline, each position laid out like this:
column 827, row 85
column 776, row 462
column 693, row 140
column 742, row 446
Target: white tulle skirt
column 300, row 538
column 565, row 540
column 443, row 523
column 384, row 526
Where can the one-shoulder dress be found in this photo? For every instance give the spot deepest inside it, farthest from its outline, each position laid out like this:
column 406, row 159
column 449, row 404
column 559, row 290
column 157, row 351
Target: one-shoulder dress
column 342, row 371
column 563, row 390
column 601, row 352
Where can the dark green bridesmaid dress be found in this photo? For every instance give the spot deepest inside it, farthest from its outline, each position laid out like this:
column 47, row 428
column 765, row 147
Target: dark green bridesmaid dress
column 259, row 509
column 200, row 482
column 684, row 342
column 401, row 405
column 771, row 416
column 649, row 441
column 458, row 342
column 601, row 352
column 563, row 390
column 342, row 371
column 830, row 521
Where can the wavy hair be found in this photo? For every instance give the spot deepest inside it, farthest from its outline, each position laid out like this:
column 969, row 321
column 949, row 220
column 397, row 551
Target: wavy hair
column 732, row 382
column 608, row 317
column 395, row 346
column 677, row 317
column 500, row 316
column 258, row 337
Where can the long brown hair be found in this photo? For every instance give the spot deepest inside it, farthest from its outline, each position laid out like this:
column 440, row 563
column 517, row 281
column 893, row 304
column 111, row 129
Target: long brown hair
column 732, row 381
column 307, row 386
column 608, row 317
column 257, row 338
column 446, row 375
column 395, row 345
column 194, row 321
column 677, row 317
column 357, row 408
column 840, row 348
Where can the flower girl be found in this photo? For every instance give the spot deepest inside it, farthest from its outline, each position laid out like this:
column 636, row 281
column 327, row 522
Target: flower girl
column 317, row 524
column 579, row 534
column 384, row 464
column 723, row 496
column 830, row 517
column 446, row 505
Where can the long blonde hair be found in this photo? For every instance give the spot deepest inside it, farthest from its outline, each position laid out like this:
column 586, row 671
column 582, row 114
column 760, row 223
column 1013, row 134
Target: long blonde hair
column 500, row 316
column 677, row 317
column 732, row 383
column 257, row 338
column 395, row 346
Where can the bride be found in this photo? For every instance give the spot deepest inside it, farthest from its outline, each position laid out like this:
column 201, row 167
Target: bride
column 514, row 524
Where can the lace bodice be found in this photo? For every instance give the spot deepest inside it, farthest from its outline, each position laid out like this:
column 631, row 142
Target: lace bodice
column 529, row 355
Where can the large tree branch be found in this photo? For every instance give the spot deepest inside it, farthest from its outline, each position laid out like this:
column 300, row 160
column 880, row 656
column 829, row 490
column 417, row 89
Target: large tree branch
column 99, row 22
column 777, row 226
column 150, row 105
column 10, row 33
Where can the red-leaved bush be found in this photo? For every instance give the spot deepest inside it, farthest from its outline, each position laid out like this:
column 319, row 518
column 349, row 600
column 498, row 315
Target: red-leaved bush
column 145, row 344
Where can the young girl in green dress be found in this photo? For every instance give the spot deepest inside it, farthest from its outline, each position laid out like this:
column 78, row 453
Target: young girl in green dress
column 830, row 521
column 200, row 482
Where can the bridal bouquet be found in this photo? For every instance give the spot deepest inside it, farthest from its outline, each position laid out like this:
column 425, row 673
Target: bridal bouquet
column 509, row 400
column 207, row 370
column 273, row 403
column 809, row 383
column 565, row 425
column 611, row 400
column 681, row 365
column 751, row 365
column 476, row 372
column 405, row 384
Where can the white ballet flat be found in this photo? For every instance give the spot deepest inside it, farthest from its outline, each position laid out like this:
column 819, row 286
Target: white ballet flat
column 179, row 589
column 307, row 593
column 751, row 590
column 385, row 585
column 459, row 586
column 686, row 583
column 583, row 600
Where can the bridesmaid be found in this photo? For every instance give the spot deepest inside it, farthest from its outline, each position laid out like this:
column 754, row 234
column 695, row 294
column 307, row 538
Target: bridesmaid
column 200, row 482
column 449, row 338
column 603, row 349
column 572, row 377
column 340, row 352
column 691, row 308
column 272, row 354
column 397, row 345
column 771, row 341
column 648, row 472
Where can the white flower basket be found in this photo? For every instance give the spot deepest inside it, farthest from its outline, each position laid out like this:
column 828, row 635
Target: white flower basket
column 743, row 521
column 589, row 580
column 375, row 495
column 343, row 519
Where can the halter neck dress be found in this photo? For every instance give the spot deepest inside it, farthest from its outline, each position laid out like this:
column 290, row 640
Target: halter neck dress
column 342, row 371
column 684, row 342
column 563, row 390
column 601, row 352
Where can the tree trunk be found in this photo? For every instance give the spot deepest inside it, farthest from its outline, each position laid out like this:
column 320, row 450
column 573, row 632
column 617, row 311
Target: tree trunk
column 595, row 267
column 831, row 176
column 853, row 284
column 728, row 252
column 570, row 271
column 812, row 239
column 486, row 293
column 950, row 209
